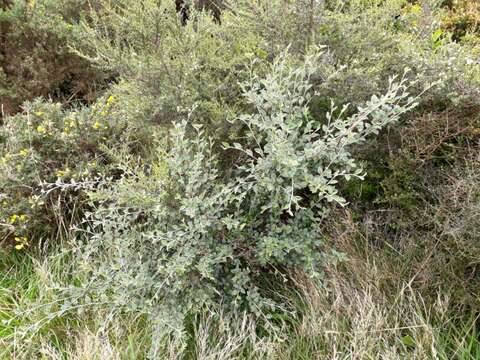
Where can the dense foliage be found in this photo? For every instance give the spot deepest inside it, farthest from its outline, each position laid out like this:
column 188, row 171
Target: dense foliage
column 181, row 236
column 35, row 59
column 216, row 164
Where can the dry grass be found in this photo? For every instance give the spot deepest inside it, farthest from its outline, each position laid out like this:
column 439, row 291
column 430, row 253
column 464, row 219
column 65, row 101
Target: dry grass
column 351, row 318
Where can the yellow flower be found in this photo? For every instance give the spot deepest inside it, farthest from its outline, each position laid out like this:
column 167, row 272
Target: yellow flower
column 21, row 242
column 109, row 100
column 96, row 125
column 70, row 123
column 41, row 129
column 23, row 217
column 5, row 158
column 24, row 152
column 39, row 113
column 61, row 173
column 13, row 218
column 416, row 9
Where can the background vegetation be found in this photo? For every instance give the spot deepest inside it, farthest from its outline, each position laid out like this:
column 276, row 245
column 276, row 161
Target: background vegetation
column 300, row 180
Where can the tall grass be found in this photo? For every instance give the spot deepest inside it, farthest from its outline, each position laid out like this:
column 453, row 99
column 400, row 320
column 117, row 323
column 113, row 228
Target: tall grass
column 346, row 317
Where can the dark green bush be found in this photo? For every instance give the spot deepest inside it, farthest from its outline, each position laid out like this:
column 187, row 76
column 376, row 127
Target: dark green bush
column 34, row 56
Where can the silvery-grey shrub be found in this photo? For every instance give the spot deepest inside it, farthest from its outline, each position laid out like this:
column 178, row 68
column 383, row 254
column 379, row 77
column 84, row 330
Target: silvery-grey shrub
column 185, row 234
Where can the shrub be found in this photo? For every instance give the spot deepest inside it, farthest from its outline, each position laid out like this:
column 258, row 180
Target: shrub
column 47, row 154
column 369, row 43
column 216, row 171
column 462, row 18
column 174, row 69
column 184, row 234
column 34, row 57
column 456, row 219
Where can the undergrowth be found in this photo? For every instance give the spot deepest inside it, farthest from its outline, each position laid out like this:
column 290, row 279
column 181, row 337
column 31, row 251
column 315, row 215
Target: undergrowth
column 287, row 180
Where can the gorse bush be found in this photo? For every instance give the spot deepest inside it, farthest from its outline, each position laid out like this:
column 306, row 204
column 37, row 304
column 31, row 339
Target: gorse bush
column 462, row 19
column 48, row 155
column 369, row 43
column 169, row 66
column 184, row 234
column 34, row 56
